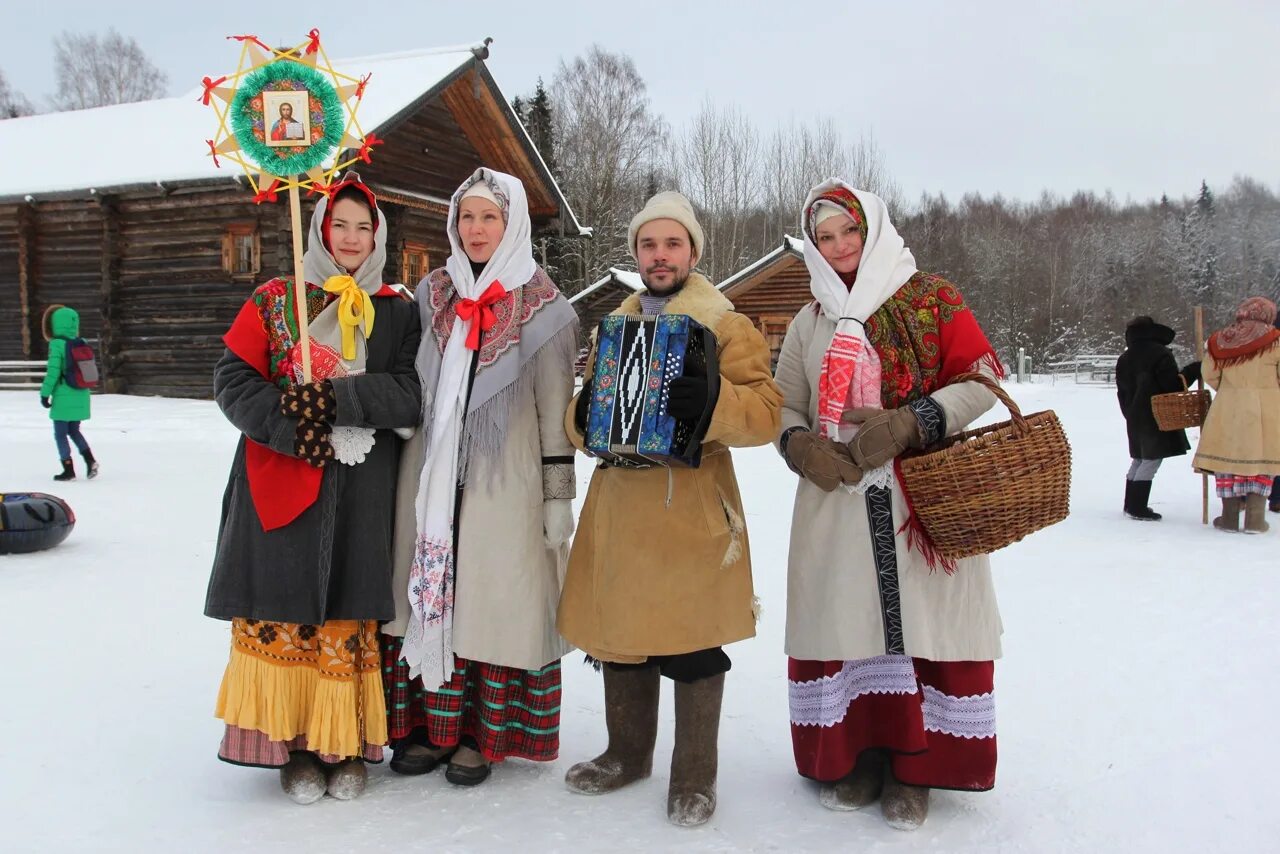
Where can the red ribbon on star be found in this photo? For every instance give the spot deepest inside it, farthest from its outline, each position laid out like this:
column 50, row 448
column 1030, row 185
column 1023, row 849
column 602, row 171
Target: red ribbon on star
column 209, row 86
column 268, row 194
column 366, row 147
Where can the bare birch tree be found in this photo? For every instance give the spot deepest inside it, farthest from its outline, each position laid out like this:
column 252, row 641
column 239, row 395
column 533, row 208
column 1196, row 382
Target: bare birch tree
column 93, row 71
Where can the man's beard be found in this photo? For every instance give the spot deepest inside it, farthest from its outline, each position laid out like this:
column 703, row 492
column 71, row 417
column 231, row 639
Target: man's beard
column 676, row 284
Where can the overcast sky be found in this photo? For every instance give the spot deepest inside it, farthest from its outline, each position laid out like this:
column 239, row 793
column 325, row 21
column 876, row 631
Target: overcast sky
column 1133, row 96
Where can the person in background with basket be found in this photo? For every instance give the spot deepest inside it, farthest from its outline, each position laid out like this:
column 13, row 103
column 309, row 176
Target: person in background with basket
column 1145, row 369
column 65, row 390
column 1240, row 440
column 891, row 648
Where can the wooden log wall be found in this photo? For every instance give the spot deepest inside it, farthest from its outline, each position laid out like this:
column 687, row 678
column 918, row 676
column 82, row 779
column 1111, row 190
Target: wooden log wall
column 15, row 331
column 781, row 290
column 173, row 300
column 65, row 267
column 402, row 164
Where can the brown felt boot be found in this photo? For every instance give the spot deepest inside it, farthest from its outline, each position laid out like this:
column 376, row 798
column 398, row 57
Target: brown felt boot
column 303, row 778
column 691, row 796
column 904, row 807
column 1230, row 518
column 1255, row 511
column 860, row 788
column 631, row 715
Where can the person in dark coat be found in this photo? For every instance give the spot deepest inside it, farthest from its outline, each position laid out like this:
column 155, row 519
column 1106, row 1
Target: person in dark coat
column 303, row 563
column 1147, row 368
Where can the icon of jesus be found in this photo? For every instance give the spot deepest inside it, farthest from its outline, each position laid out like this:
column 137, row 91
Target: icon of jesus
column 286, row 127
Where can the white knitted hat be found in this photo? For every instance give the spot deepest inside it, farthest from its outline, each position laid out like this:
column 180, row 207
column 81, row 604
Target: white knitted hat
column 668, row 205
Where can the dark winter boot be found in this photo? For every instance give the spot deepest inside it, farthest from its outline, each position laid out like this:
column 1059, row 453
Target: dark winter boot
column 91, row 463
column 860, row 788
column 1230, row 518
column 904, row 807
column 1138, row 493
column 68, row 471
column 631, row 715
column 303, row 778
column 1255, row 510
column 347, row 780
column 691, row 796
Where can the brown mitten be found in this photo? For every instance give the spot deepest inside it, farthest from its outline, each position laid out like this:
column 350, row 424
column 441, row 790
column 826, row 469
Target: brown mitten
column 823, row 462
column 884, row 434
column 311, row 443
column 310, row 402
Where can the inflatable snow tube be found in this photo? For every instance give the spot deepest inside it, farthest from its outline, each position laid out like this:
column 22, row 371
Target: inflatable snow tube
column 31, row 521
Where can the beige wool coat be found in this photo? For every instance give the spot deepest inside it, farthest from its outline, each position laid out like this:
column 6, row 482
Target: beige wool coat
column 661, row 564
column 508, row 579
column 1241, row 434
column 833, row 602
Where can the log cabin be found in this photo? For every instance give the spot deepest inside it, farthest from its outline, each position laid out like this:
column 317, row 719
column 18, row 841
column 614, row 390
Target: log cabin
column 771, row 290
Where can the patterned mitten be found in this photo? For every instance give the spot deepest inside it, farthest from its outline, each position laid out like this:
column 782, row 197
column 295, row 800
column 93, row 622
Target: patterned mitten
column 310, row 402
column 311, row 443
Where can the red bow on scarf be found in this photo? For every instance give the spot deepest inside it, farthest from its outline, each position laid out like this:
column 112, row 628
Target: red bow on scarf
column 469, row 309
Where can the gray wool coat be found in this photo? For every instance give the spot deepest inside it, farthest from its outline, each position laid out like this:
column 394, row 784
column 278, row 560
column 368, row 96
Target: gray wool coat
column 334, row 561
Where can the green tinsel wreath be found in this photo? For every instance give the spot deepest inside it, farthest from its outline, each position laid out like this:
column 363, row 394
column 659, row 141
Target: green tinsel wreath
column 249, row 125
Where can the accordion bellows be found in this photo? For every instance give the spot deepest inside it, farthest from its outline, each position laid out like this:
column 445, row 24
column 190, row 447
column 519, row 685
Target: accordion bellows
column 637, row 358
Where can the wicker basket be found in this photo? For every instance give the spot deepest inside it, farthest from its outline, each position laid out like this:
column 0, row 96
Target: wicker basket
column 1179, row 410
column 984, row 489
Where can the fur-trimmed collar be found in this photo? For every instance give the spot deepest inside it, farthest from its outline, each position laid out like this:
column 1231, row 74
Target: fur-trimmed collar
column 698, row 298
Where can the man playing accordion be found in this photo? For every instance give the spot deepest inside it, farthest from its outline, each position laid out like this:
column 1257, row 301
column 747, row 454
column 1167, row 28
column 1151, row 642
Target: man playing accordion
column 659, row 578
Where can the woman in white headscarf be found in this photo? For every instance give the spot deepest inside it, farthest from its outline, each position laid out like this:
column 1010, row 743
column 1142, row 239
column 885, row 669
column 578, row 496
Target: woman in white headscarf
column 303, row 562
column 891, row 648
column 474, row 655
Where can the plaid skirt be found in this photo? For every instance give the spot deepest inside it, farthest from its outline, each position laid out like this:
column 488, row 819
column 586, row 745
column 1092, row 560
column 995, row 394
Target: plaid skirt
column 509, row 712
column 1239, row 485
column 936, row 719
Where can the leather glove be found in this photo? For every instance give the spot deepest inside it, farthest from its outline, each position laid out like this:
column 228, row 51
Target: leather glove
column 582, row 407
column 1191, row 372
column 823, row 462
column 884, row 434
column 46, row 402
column 311, row 443
column 310, row 402
column 557, row 521
column 687, row 397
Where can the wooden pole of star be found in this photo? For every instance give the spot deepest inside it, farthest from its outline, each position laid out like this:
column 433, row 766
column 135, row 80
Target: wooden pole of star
column 300, row 286
column 1204, row 478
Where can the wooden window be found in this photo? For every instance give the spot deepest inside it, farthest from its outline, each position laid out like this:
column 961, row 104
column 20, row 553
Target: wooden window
column 413, row 263
column 241, row 250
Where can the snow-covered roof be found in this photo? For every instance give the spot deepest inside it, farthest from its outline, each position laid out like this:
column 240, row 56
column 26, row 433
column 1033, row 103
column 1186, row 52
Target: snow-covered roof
column 103, row 148
column 626, row 278
column 790, row 246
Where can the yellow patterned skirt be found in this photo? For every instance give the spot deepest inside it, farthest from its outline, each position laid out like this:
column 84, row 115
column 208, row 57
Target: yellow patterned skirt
column 291, row 686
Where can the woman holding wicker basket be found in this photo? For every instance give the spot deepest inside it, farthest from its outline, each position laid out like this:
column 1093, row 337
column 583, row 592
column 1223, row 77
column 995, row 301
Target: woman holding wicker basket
column 1240, row 441
column 891, row 647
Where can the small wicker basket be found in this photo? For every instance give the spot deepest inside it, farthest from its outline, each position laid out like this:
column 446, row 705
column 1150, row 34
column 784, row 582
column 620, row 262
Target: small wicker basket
column 984, row 489
column 1179, row 410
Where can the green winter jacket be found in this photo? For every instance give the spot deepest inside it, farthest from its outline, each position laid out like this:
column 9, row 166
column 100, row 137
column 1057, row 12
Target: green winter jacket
column 69, row 404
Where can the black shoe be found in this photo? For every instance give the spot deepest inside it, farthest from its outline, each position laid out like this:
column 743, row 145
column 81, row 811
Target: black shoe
column 1275, row 506
column 68, row 471
column 91, row 463
column 412, row 764
column 467, row 775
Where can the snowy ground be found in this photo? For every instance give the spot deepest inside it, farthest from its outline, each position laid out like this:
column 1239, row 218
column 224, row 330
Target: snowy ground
column 1135, row 698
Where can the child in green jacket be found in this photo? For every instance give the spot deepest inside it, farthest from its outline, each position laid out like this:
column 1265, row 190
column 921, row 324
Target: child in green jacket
column 67, row 406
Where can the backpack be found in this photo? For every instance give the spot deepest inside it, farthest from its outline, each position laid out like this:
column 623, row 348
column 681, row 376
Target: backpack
column 80, row 366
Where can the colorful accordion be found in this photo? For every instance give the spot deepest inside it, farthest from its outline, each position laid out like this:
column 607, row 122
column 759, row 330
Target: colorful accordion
column 637, row 357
